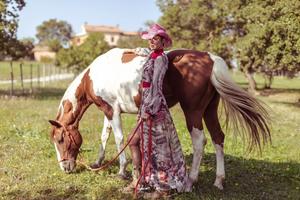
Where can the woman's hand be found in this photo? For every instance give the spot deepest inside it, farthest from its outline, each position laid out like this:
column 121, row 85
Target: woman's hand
column 130, row 51
column 145, row 116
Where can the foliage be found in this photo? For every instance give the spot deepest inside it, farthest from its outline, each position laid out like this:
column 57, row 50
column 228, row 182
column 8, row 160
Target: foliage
column 9, row 13
column 263, row 35
column 197, row 24
column 47, row 60
column 24, row 49
column 132, row 42
column 54, row 33
column 79, row 57
column 54, row 45
column 272, row 36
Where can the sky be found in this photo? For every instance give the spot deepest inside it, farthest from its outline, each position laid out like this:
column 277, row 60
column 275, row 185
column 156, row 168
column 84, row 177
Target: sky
column 130, row 15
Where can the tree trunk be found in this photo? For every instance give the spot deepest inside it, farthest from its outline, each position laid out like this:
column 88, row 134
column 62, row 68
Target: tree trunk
column 268, row 81
column 252, row 83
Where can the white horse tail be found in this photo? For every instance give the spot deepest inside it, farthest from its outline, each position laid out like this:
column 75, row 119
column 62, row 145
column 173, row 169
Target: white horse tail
column 245, row 113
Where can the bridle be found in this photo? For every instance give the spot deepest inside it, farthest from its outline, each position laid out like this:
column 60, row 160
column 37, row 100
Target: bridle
column 66, row 155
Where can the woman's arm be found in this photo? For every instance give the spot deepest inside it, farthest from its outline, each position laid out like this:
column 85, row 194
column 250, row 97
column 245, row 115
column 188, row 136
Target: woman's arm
column 153, row 101
column 139, row 51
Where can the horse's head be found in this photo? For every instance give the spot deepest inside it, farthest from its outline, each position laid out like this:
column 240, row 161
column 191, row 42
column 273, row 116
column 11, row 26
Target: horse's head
column 67, row 141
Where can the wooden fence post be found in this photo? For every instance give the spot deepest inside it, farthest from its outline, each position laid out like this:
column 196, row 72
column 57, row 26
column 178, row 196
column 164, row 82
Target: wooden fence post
column 39, row 76
column 31, row 89
column 50, row 72
column 44, row 74
column 12, row 79
column 21, row 74
column 54, row 73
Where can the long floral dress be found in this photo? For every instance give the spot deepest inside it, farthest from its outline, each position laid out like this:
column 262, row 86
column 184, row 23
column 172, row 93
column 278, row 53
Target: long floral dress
column 166, row 168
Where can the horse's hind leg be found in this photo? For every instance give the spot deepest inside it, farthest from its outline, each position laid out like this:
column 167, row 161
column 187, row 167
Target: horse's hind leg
column 195, row 127
column 217, row 135
column 106, row 130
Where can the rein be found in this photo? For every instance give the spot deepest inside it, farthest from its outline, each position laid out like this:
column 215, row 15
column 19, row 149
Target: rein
column 112, row 160
column 144, row 166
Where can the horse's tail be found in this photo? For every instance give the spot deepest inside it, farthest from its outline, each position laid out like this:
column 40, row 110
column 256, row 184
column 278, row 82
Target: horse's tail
column 246, row 114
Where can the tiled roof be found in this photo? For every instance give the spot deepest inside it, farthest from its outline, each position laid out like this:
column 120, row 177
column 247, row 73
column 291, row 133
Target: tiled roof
column 130, row 33
column 107, row 29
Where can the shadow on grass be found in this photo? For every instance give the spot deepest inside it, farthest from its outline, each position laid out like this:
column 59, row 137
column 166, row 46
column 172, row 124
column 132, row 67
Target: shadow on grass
column 294, row 104
column 245, row 179
column 49, row 193
column 273, row 91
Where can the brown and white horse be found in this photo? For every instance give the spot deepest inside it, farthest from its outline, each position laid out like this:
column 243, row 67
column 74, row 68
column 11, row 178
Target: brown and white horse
column 196, row 80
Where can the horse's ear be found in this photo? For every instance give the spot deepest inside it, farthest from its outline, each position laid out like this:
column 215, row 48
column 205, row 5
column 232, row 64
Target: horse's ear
column 55, row 123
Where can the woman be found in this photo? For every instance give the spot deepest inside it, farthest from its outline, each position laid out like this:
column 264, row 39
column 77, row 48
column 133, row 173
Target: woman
column 161, row 162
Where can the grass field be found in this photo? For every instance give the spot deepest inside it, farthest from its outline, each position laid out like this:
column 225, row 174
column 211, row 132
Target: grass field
column 37, row 68
column 5, row 69
column 29, row 169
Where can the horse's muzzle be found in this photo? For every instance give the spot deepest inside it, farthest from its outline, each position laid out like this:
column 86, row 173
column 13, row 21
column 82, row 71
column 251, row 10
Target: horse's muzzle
column 67, row 165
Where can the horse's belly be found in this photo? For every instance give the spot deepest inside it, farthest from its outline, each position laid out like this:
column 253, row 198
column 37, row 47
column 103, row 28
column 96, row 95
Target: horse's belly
column 119, row 96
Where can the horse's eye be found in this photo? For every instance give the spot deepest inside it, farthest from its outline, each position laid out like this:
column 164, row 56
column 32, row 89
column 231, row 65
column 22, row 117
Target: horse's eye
column 59, row 137
column 61, row 140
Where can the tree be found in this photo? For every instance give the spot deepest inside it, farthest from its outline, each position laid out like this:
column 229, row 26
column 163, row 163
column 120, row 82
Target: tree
column 264, row 36
column 9, row 13
column 197, row 24
column 132, row 42
column 23, row 50
column 272, row 37
column 79, row 57
column 54, row 33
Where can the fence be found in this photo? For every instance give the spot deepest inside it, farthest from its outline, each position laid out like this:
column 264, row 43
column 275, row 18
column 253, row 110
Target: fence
column 22, row 77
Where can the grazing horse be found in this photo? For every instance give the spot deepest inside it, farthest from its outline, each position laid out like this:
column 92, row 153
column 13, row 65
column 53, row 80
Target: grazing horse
column 196, row 80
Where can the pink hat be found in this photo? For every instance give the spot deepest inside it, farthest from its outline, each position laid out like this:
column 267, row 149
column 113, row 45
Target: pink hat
column 154, row 30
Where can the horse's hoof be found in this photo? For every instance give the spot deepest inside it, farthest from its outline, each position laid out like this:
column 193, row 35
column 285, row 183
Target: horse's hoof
column 219, row 182
column 219, row 186
column 188, row 186
column 156, row 195
column 124, row 176
column 95, row 165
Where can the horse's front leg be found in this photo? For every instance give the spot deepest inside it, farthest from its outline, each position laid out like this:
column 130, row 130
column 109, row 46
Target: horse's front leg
column 116, row 124
column 106, row 130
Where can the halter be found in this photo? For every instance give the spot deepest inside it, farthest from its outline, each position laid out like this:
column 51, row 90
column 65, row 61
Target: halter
column 72, row 140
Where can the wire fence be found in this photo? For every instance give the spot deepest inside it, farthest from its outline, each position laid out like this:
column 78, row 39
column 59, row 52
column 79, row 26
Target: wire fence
column 20, row 78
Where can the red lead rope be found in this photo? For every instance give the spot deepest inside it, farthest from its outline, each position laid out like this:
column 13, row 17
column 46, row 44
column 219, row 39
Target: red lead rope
column 144, row 166
column 111, row 161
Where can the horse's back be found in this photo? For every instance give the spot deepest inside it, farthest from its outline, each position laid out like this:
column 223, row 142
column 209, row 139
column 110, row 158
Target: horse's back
column 188, row 78
column 115, row 80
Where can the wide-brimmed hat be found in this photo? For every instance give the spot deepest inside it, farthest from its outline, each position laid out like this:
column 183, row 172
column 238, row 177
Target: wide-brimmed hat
column 154, row 30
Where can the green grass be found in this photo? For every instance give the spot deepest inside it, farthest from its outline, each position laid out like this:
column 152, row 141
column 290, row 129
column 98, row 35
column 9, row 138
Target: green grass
column 5, row 69
column 37, row 67
column 29, row 169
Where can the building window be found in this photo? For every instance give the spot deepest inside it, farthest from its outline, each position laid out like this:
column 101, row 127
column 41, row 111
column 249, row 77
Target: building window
column 112, row 39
